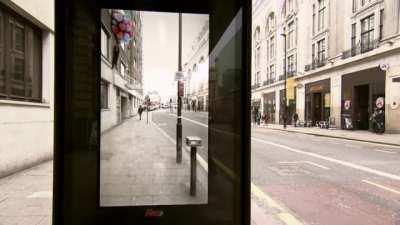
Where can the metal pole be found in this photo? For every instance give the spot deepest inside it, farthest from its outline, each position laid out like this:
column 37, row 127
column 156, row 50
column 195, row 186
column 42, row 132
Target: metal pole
column 147, row 103
column 193, row 175
column 179, row 116
column 284, row 94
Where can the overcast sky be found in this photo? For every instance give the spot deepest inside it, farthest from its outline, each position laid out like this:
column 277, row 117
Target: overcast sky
column 160, row 48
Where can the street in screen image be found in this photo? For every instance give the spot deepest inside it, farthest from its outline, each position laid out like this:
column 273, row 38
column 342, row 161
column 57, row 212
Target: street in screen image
column 141, row 163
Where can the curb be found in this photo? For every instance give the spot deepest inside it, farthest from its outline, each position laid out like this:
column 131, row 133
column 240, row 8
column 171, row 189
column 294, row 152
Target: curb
column 337, row 137
column 29, row 165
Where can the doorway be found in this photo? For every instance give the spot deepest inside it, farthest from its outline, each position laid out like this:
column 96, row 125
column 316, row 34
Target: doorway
column 317, row 107
column 124, row 108
column 361, row 106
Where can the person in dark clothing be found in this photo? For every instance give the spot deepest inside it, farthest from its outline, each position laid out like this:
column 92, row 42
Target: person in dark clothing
column 295, row 119
column 140, row 110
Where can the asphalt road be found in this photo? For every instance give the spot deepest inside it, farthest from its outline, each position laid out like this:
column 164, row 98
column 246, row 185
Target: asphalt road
column 321, row 181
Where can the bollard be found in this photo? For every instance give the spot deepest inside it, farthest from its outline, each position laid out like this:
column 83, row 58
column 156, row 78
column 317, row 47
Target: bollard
column 193, row 142
column 193, row 172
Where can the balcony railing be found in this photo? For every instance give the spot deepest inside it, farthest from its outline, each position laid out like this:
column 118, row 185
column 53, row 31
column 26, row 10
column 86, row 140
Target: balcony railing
column 255, row 86
column 360, row 49
column 268, row 82
column 288, row 75
column 291, row 73
column 315, row 64
column 131, row 83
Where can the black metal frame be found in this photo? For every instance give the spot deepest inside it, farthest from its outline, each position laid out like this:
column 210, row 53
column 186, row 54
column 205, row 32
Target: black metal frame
column 77, row 127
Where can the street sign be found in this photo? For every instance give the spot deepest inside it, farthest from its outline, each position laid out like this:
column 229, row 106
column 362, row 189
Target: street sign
column 180, row 75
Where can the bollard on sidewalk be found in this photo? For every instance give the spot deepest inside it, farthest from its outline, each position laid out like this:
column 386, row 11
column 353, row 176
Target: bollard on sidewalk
column 193, row 142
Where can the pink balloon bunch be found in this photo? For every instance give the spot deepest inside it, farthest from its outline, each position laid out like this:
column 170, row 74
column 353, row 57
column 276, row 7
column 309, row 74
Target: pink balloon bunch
column 121, row 26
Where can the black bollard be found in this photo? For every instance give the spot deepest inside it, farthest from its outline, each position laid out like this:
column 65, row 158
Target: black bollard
column 193, row 170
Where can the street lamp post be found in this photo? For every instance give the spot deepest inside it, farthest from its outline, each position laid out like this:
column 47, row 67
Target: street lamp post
column 179, row 99
column 284, row 77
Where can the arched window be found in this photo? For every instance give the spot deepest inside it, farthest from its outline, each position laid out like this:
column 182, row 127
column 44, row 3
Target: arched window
column 271, row 22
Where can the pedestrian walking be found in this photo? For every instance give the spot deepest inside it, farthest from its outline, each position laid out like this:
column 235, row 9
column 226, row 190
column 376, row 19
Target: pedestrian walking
column 140, row 111
column 295, row 119
column 258, row 118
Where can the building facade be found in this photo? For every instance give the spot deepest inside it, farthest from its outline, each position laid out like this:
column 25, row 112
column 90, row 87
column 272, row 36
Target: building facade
column 121, row 72
column 196, row 82
column 26, row 83
column 342, row 61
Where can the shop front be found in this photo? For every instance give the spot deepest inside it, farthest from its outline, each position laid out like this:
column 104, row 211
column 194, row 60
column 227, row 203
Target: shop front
column 317, row 101
column 269, row 107
column 362, row 93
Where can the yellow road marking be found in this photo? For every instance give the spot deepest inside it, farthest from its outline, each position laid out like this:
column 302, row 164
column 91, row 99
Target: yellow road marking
column 289, row 219
column 284, row 216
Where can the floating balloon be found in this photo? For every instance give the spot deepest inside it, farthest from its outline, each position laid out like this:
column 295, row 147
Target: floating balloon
column 121, row 26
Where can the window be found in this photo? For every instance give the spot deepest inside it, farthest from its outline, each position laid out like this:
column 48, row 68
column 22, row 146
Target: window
column 272, row 47
column 367, row 33
column 257, row 59
column 290, row 5
column 257, row 78
column 291, row 43
column 257, row 35
column 272, row 73
column 313, row 52
column 321, row 50
column 123, row 68
column 381, row 24
column 268, row 51
column 291, row 66
column 313, row 19
column 364, row 2
column 104, row 43
column 353, row 38
column 321, row 15
column 270, row 23
column 354, row 7
column 21, row 50
column 104, row 94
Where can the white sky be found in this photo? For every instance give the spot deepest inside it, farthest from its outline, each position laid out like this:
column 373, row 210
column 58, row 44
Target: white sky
column 160, row 48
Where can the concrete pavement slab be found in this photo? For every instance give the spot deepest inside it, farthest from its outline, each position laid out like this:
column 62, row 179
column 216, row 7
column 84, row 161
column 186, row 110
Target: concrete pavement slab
column 139, row 167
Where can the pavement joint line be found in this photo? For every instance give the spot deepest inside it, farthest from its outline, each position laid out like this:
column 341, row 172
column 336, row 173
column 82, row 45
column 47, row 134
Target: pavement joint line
column 382, row 186
column 337, row 161
column 305, row 162
column 385, row 151
column 200, row 159
column 284, row 216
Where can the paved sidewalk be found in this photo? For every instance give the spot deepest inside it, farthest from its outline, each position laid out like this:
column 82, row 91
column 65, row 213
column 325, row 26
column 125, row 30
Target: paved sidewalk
column 365, row 136
column 26, row 196
column 138, row 167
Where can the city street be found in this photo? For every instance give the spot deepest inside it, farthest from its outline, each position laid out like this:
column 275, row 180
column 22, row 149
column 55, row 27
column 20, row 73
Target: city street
column 296, row 179
column 318, row 180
